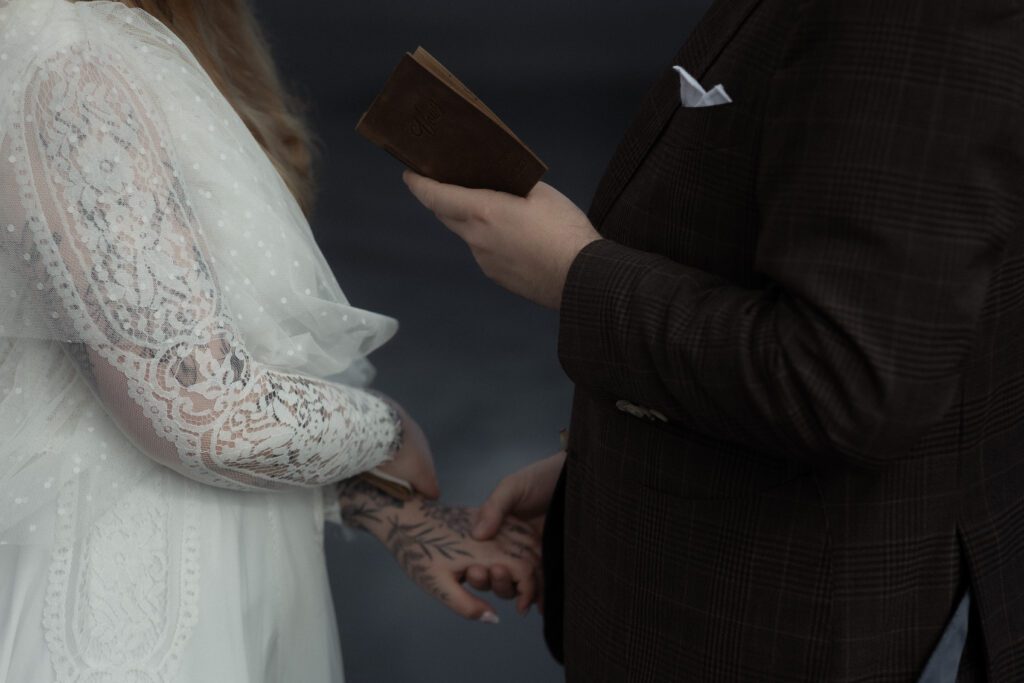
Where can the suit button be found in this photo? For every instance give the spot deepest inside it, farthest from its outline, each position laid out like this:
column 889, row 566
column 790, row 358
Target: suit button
column 631, row 409
column 640, row 411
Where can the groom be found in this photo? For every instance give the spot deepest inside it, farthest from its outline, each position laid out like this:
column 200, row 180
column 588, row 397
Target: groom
column 795, row 323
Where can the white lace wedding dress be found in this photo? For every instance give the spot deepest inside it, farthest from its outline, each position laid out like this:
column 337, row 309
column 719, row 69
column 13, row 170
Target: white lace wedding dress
column 169, row 333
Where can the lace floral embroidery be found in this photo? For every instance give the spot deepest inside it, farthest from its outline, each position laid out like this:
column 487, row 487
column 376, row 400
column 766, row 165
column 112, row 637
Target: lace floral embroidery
column 116, row 261
column 131, row 613
column 121, row 249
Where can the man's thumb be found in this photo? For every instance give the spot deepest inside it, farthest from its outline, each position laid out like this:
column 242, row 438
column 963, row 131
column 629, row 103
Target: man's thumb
column 492, row 512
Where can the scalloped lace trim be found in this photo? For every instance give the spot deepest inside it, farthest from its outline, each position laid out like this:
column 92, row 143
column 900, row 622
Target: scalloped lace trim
column 136, row 579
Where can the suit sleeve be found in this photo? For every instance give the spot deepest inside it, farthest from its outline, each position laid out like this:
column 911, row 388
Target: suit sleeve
column 889, row 188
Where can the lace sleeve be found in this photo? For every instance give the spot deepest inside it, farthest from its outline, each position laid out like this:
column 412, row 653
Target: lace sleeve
column 119, row 265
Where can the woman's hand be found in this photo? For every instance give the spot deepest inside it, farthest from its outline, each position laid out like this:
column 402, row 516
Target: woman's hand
column 413, row 461
column 432, row 543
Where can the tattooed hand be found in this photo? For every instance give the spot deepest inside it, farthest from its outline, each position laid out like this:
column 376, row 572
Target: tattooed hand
column 432, row 542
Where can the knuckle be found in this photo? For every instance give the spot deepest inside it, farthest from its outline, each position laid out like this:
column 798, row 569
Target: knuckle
column 481, row 212
column 487, row 269
column 475, row 241
column 428, row 197
column 512, row 487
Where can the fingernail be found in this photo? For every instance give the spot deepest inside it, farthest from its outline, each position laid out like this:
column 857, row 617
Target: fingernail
column 490, row 618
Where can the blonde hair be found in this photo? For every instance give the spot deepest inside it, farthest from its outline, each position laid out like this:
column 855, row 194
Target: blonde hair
column 227, row 41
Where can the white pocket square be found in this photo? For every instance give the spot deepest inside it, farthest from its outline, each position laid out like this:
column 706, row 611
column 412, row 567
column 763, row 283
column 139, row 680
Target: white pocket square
column 692, row 94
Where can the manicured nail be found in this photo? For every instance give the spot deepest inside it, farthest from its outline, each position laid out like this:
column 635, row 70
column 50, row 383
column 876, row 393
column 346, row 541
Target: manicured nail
column 490, row 618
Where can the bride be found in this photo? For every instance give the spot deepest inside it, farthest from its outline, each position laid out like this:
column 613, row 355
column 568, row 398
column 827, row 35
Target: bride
column 180, row 373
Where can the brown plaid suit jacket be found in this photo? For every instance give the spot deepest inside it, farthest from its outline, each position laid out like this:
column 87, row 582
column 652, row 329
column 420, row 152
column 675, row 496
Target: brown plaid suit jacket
column 798, row 430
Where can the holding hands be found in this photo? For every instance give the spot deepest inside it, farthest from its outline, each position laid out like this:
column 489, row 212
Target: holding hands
column 524, row 495
column 527, row 245
column 432, row 542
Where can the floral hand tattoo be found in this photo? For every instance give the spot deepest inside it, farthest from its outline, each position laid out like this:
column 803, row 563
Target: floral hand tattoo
column 432, row 543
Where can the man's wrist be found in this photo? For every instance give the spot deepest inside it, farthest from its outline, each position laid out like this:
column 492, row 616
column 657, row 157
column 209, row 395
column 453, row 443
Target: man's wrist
column 573, row 268
column 567, row 267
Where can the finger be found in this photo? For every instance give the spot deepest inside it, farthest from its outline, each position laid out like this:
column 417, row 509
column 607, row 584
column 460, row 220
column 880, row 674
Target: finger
column 479, row 578
column 526, row 587
column 528, row 566
column 538, row 573
column 501, row 582
column 528, row 573
column 429, row 486
column 462, row 602
column 450, row 202
column 426, row 487
column 492, row 513
column 537, row 525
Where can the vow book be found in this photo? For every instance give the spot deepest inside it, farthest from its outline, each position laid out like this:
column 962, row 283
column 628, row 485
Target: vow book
column 427, row 119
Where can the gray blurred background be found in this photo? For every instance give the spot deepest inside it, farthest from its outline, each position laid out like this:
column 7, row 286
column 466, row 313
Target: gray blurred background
column 475, row 365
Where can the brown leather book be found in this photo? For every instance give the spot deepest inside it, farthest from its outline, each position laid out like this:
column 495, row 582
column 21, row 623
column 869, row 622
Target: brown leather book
column 427, row 119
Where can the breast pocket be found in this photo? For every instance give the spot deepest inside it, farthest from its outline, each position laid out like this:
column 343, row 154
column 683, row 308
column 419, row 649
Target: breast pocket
column 715, row 127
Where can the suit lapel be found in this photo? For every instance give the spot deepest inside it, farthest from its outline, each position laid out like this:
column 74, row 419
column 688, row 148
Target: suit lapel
column 709, row 38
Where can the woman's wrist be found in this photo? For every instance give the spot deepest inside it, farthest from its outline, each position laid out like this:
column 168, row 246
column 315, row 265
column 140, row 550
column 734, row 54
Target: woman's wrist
column 396, row 417
column 365, row 507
